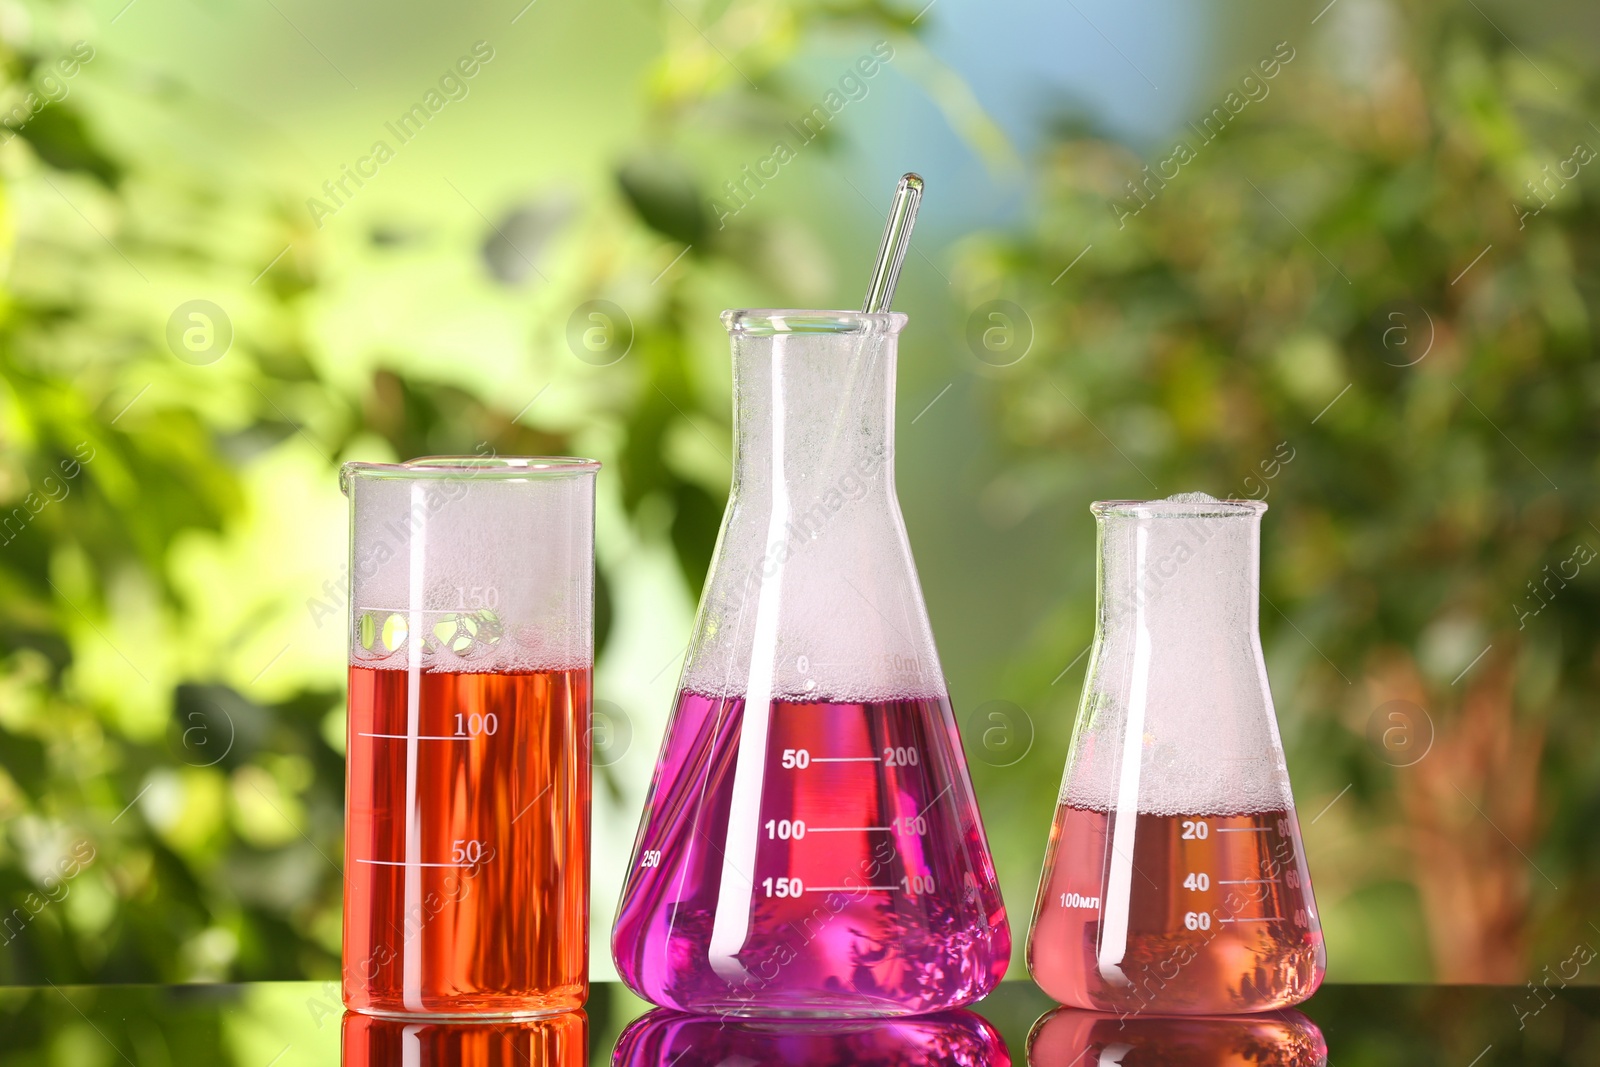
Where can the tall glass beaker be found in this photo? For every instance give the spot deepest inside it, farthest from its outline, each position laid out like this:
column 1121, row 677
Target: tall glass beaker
column 1175, row 881
column 467, row 781
column 811, row 843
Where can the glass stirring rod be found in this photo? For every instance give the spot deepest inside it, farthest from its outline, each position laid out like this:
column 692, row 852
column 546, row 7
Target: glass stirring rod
column 896, row 241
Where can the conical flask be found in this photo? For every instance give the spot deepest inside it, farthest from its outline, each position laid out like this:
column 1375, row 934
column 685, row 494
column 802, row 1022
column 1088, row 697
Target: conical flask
column 1175, row 880
column 810, row 843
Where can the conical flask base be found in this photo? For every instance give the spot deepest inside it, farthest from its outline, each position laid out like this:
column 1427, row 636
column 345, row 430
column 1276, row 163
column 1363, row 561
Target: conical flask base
column 866, row 887
column 1213, row 914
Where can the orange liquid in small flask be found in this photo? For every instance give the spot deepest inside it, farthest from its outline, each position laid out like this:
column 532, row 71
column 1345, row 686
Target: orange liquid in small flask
column 468, row 772
column 1175, row 880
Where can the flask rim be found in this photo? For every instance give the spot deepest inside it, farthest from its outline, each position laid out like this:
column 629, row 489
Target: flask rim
column 1178, row 509
column 769, row 322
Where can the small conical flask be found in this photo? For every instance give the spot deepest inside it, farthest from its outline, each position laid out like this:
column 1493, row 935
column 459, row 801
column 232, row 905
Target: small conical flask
column 810, row 844
column 1175, row 880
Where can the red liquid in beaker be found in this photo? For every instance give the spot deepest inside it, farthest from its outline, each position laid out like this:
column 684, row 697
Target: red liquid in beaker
column 488, row 910
column 1219, row 915
column 869, row 885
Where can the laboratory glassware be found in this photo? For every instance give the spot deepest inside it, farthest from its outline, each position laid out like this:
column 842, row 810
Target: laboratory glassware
column 559, row 1040
column 1068, row 1037
column 1175, row 879
column 810, row 843
column 468, row 776
column 666, row 1038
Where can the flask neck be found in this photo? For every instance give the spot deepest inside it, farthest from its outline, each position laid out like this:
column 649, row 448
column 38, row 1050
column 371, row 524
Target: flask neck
column 814, row 418
column 813, row 593
column 1189, row 580
column 1177, row 711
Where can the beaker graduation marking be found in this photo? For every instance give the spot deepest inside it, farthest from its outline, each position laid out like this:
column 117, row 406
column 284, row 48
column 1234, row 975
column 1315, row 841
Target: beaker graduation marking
column 789, row 829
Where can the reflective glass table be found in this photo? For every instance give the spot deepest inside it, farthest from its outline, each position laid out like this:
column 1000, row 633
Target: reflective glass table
column 285, row 1024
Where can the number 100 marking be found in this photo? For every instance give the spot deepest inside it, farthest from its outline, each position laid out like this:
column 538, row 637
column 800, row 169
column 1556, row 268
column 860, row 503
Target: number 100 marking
column 474, row 724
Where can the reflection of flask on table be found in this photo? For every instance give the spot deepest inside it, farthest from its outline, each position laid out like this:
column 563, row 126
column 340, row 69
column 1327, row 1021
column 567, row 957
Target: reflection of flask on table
column 666, row 1038
column 811, row 843
column 549, row 1041
column 1175, row 879
column 467, row 792
column 1070, row 1038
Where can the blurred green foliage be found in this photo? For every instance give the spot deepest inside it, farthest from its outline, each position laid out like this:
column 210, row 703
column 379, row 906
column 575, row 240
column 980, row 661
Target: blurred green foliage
column 1363, row 289
column 214, row 818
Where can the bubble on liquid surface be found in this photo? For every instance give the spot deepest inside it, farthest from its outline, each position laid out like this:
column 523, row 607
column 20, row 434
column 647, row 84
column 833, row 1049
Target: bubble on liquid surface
column 1193, row 498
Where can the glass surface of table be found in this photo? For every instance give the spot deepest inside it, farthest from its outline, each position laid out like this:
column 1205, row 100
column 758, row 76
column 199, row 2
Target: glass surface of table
column 288, row 1024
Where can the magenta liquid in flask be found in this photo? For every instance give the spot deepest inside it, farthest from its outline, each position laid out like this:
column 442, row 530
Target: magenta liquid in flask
column 811, row 844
